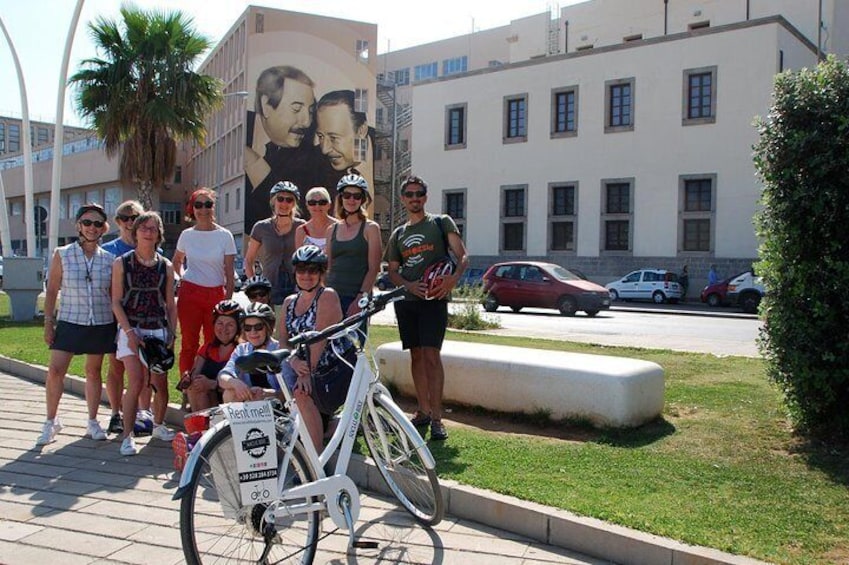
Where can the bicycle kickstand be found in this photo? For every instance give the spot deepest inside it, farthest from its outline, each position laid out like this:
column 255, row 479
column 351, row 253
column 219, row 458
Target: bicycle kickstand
column 345, row 506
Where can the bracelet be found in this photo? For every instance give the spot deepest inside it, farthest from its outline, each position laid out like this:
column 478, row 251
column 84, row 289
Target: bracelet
column 128, row 331
column 49, row 319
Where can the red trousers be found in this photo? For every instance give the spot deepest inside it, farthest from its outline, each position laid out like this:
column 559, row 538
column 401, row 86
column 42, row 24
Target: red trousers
column 194, row 311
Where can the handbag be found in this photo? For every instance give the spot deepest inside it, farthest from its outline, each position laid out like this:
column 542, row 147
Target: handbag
column 330, row 385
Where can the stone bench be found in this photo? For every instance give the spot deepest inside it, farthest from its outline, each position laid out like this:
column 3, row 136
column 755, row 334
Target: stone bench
column 606, row 391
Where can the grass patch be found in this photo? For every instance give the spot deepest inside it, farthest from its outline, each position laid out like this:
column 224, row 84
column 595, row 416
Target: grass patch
column 721, row 468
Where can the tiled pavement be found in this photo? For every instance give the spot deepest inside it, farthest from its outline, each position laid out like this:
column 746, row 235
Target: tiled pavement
column 80, row 501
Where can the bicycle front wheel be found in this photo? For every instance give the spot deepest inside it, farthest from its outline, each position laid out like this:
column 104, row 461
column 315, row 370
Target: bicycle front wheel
column 216, row 528
column 400, row 454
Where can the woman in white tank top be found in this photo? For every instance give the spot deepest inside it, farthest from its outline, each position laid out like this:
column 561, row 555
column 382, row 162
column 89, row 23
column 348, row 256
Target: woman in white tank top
column 314, row 231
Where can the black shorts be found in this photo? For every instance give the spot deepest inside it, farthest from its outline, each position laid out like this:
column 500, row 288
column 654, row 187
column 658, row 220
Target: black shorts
column 422, row 323
column 85, row 340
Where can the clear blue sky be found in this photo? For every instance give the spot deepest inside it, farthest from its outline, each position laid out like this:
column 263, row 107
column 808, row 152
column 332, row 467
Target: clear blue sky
column 39, row 28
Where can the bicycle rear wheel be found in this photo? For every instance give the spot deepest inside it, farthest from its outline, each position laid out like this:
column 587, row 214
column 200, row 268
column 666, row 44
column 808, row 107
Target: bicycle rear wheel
column 216, row 528
column 398, row 453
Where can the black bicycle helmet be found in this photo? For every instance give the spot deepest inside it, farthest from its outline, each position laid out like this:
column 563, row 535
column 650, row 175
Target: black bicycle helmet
column 227, row 308
column 354, row 180
column 284, row 186
column 309, row 255
column 156, row 355
column 256, row 282
column 262, row 311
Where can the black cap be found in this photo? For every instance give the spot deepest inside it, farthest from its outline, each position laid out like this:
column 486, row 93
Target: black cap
column 412, row 179
column 91, row 207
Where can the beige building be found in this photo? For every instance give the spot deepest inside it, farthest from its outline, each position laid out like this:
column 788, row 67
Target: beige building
column 610, row 136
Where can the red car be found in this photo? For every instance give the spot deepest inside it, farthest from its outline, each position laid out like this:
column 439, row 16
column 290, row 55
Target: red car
column 531, row 284
column 715, row 294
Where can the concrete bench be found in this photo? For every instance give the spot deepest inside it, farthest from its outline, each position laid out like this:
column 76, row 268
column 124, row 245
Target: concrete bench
column 606, row 391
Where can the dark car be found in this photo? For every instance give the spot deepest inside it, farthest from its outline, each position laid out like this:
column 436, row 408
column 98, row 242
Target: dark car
column 471, row 277
column 530, row 284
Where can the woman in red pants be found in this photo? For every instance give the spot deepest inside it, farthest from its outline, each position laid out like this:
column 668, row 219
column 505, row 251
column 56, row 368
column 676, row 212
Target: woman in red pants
column 204, row 262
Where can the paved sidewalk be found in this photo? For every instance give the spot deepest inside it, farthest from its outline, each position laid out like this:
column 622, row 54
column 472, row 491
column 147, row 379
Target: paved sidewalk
column 79, row 501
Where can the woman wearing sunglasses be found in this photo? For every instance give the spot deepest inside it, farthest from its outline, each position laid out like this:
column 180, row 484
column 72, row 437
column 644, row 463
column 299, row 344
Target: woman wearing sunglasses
column 353, row 245
column 273, row 241
column 83, row 272
column 314, row 232
column 257, row 327
column 203, row 263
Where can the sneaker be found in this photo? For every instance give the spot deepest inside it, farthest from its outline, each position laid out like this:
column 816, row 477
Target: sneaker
column 128, row 446
column 162, row 433
column 420, row 419
column 49, row 431
column 142, row 427
column 116, row 424
column 94, row 431
column 438, row 431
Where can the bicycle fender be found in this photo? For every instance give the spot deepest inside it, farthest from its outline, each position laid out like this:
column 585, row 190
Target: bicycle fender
column 194, row 456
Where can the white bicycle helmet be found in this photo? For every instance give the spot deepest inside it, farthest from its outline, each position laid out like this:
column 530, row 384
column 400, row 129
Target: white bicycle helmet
column 309, row 254
column 284, row 186
column 262, row 311
column 352, row 180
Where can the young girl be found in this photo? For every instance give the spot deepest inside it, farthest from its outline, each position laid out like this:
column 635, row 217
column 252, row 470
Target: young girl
column 257, row 326
column 201, row 383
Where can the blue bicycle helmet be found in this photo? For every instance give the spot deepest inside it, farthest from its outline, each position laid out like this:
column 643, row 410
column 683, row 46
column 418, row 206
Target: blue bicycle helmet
column 352, row 180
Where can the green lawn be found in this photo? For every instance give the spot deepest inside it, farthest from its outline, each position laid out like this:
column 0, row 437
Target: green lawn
column 721, row 468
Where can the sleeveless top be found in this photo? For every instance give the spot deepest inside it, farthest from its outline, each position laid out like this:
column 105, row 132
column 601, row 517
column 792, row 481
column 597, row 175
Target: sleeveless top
column 86, row 286
column 349, row 263
column 144, row 292
column 212, row 361
column 320, row 242
column 306, row 322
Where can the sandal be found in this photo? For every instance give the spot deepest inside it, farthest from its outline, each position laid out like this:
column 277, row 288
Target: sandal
column 438, row 431
column 420, row 419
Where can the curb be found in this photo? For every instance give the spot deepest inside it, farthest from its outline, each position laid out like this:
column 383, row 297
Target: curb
column 541, row 523
column 712, row 313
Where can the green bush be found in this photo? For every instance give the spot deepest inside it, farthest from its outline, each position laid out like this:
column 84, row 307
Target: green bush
column 469, row 316
column 803, row 159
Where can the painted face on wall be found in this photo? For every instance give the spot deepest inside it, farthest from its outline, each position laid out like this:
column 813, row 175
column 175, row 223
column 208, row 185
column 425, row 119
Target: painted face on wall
column 336, row 136
column 287, row 124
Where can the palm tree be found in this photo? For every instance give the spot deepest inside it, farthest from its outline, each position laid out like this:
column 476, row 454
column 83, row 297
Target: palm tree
column 143, row 94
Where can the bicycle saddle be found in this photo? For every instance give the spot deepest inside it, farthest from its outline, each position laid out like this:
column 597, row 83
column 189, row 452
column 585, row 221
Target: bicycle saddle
column 262, row 361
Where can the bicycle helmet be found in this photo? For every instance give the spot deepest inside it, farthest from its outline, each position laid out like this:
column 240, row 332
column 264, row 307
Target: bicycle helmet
column 229, row 308
column 435, row 274
column 257, row 282
column 284, row 186
column 309, row 255
column 156, row 355
column 262, row 311
column 352, row 180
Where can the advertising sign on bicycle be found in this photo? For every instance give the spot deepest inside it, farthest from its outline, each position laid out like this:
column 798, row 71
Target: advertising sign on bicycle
column 252, row 425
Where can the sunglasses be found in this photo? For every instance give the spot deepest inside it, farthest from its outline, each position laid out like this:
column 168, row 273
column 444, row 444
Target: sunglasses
column 415, row 193
column 253, row 327
column 205, row 204
column 257, row 294
column 88, row 223
column 288, row 199
column 321, row 202
column 124, row 218
column 307, row 269
column 352, row 195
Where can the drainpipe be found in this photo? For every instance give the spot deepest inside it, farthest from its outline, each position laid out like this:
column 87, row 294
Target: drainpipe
column 665, row 16
column 819, row 32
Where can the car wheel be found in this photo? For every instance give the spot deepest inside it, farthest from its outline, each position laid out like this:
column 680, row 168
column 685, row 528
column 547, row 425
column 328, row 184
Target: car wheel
column 567, row 306
column 516, row 309
column 749, row 302
column 490, row 303
column 614, row 296
column 713, row 300
column 592, row 313
column 658, row 297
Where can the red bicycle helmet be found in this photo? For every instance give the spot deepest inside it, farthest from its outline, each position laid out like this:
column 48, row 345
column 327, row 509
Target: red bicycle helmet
column 435, row 274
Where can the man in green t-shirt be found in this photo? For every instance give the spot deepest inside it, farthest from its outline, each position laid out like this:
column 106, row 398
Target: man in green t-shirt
column 422, row 241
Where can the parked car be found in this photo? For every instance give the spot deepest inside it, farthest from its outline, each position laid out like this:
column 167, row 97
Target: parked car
column 530, row 284
column 656, row 285
column 471, row 277
column 715, row 294
column 746, row 290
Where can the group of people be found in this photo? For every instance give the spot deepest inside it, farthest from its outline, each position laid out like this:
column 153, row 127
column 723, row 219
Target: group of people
column 119, row 299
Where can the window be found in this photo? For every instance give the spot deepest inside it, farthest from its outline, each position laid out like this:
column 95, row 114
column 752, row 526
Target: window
column 362, row 50
column 617, row 214
column 564, row 112
column 226, row 202
column 2, row 138
column 238, row 197
column 696, row 210
column 513, row 218
column 361, row 100
column 92, row 196
column 111, row 200
column 170, row 212
column 515, row 118
column 260, row 23
column 75, row 200
column 619, row 105
column 630, row 38
column 454, row 66
column 562, row 218
column 43, row 136
column 455, row 206
column 455, row 126
column 699, row 25
column 699, row 96
column 361, row 149
column 178, row 174
column 402, row 76
column 426, row 71
column 14, row 138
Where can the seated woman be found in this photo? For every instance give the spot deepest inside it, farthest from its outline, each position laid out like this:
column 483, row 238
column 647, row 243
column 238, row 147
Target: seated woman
column 320, row 381
column 201, row 382
column 257, row 326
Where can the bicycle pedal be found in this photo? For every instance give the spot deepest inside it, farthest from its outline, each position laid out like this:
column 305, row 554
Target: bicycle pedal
column 365, row 544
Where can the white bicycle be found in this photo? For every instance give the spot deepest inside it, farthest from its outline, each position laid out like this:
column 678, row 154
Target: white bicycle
column 216, row 525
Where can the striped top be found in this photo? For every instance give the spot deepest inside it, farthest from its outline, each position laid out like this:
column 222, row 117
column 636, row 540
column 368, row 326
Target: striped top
column 86, row 292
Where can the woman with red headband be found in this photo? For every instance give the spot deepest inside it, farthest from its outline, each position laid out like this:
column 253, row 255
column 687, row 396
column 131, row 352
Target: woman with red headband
column 209, row 252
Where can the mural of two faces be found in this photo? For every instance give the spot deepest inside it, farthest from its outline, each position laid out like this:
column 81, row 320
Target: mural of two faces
column 311, row 81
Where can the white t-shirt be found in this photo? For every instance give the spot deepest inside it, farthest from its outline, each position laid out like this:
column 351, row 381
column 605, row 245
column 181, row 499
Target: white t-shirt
column 205, row 251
